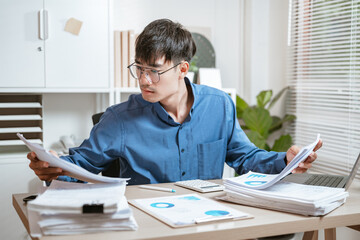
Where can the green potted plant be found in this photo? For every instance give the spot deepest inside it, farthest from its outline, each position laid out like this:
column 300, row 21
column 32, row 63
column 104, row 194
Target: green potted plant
column 258, row 124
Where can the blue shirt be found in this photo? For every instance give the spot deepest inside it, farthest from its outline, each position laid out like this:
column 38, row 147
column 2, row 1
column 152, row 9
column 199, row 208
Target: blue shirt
column 153, row 148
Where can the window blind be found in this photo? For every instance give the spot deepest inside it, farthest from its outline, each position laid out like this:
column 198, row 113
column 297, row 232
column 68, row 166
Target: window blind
column 323, row 73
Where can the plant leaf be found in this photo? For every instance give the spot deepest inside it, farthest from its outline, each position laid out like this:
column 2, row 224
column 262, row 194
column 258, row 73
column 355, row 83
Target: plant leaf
column 282, row 144
column 241, row 105
column 289, row 118
column 258, row 120
column 257, row 139
column 263, row 98
column 276, row 98
column 277, row 123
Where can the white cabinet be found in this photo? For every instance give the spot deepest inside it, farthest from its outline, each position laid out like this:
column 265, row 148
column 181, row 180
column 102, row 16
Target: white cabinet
column 77, row 60
column 61, row 59
column 21, row 50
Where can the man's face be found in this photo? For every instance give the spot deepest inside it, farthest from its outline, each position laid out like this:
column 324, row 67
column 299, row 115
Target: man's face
column 165, row 87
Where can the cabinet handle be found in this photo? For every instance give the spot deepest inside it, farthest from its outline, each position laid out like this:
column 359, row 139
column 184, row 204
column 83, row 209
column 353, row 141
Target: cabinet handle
column 43, row 24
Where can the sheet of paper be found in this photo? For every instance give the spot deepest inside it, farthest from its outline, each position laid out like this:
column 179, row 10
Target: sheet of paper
column 184, row 210
column 256, row 180
column 73, row 170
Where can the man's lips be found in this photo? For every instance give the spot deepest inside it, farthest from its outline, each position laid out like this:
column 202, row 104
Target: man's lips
column 146, row 90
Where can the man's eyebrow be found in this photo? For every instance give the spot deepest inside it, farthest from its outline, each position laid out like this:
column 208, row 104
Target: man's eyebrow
column 154, row 65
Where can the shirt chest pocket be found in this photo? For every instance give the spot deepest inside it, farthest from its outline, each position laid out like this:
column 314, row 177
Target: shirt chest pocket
column 211, row 158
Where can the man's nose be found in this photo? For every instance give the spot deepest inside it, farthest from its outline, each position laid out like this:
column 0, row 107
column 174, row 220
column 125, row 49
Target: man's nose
column 144, row 76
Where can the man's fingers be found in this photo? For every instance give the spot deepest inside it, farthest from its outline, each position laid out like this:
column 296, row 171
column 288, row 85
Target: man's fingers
column 47, row 177
column 294, row 150
column 48, row 171
column 299, row 170
column 32, row 156
column 312, row 157
column 38, row 165
column 305, row 165
column 42, row 168
column 318, row 145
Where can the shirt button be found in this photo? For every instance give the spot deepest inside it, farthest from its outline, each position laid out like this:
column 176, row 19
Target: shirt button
column 182, row 150
column 183, row 173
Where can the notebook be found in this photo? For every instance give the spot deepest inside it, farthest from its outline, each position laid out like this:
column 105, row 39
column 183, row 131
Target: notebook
column 335, row 181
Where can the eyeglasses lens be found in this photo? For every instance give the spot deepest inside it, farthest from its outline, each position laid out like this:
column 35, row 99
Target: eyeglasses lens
column 150, row 74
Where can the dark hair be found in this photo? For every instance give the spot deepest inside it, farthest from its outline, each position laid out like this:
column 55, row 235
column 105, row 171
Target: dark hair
column 161, row 38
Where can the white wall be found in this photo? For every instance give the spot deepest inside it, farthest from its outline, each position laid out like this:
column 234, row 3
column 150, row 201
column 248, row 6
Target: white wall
column 265, row 45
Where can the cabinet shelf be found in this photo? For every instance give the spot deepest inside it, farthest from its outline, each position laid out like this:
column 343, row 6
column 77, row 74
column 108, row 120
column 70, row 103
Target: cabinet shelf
column 21, row 130
column 20, row 117
column 18, row 142
column 20, row 105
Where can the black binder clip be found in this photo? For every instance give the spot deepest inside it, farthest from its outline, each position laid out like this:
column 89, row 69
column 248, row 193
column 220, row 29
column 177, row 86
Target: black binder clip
column 93, row 208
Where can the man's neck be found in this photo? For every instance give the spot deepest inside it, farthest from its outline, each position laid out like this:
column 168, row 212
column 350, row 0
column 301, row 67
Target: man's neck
column 178, row 106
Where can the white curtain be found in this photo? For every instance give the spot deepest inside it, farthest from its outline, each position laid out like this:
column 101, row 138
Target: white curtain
column 324, row 76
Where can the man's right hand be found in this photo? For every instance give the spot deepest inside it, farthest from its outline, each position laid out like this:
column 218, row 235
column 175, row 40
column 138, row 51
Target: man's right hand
column 42, row 169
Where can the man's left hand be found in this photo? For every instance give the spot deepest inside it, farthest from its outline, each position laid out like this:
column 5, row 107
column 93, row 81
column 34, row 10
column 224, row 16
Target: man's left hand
column 303, row 166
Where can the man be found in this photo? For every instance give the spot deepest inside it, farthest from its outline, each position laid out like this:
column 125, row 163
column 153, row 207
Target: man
column 174, row 130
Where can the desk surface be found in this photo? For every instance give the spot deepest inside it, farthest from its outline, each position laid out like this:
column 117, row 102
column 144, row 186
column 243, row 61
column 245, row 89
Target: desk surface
column 264, row 223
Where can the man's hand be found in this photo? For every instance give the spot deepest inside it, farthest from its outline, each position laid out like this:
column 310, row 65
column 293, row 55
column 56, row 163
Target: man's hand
column 303, row 166
column 42, row 169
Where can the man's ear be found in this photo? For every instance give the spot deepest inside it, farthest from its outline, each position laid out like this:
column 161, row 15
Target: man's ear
column 184, row 68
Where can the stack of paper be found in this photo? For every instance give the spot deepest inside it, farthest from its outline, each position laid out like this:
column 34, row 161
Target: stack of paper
column 265, row 190
column 76, row 208
column 288, row 197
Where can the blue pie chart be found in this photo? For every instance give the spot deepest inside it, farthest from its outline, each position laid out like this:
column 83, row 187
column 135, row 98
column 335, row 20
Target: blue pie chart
column 162, row 205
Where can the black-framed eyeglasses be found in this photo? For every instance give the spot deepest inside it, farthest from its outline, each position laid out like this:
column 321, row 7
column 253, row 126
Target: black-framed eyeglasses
column 152, row 75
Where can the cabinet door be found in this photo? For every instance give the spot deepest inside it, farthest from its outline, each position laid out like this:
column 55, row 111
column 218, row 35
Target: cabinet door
column 77, row 61
column 21, row 50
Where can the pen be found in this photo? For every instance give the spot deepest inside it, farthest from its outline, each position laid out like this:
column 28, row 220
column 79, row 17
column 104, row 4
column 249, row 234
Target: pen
column 157, row 188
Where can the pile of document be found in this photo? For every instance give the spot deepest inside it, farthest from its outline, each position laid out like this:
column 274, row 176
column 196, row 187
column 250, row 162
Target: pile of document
column 287, row 197
column 267, row 191
column 77, row 208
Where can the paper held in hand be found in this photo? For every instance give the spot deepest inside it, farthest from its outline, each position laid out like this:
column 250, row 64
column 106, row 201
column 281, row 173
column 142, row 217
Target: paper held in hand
column 256, row 180
column 73, row 170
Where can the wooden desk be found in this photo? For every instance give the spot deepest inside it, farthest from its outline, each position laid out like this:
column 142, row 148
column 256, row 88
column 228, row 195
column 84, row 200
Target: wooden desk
column 264, row 223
